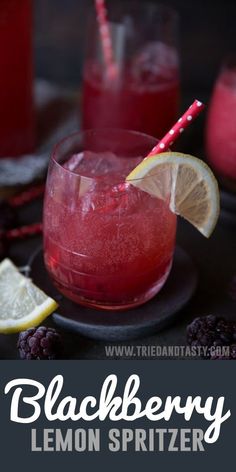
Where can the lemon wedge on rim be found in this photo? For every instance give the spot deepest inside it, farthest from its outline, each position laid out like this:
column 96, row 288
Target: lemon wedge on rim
column 186, row 181
column 22, row 304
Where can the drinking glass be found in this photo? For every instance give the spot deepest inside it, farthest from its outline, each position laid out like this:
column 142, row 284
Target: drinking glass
column 144, row 95
column 106, row 244
column 221, row 125
column 17, row 120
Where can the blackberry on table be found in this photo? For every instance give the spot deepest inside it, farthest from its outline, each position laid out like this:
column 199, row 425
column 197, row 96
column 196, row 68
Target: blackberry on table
column 229, row 357
column 210, row 331
column 40, row 344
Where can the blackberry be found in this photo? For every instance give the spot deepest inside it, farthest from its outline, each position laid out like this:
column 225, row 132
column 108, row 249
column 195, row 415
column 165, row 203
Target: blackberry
column 211, row 331
column 39, row 343
column 231, row 355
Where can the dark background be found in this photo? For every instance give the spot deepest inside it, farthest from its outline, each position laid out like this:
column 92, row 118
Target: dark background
column 207, row 34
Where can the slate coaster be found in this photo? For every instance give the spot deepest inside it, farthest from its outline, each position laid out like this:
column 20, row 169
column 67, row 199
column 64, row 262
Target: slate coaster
column 126, row 325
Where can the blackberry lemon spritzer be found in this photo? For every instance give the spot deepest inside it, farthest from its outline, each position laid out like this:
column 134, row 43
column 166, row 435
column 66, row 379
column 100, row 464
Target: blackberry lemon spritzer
column 106, row 244
column 149, row 84
column 143, row 92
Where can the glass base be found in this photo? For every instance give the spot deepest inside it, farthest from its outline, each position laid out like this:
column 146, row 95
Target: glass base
column 115, row 306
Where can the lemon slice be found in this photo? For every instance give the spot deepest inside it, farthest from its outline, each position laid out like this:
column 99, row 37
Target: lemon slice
column 22, row 304
column 186, row 181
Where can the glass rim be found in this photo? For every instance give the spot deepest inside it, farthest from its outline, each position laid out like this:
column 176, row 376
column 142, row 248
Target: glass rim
column 57, row 146
column 164, row 11
column 161, row 7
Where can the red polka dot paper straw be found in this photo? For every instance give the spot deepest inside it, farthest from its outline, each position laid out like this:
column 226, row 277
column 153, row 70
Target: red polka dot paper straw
column 183, row 122
column 111, row 66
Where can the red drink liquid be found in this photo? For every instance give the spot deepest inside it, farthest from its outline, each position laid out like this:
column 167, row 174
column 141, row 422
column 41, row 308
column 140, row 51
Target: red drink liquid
column 17, row 122
column 105, row 248
column 221, row 127
column 145, row 98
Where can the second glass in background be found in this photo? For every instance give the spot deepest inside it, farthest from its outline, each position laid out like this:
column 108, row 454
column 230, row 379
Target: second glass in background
column 145, row 95
column 221, row 125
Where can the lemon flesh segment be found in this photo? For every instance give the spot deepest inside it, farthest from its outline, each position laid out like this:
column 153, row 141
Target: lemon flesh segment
column 22, row 304
column 186, row 182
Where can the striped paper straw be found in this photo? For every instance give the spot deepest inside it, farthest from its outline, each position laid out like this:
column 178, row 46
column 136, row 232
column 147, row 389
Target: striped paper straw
column 111, row 66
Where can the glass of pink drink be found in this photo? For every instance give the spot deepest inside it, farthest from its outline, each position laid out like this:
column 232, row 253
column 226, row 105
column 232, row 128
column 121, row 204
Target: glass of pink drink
column 144, row 95
column 221, row 126
column 17, row 120
column 106, row 245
